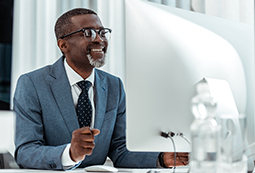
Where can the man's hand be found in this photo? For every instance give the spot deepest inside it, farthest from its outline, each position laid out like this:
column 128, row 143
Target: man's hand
column 182, row 159
column 82, row 143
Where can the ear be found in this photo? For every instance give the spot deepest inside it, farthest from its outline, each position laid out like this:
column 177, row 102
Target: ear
column 63, row 46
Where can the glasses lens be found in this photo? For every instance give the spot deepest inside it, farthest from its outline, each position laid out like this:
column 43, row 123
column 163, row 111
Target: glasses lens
column 105, row 34
column 90, row 34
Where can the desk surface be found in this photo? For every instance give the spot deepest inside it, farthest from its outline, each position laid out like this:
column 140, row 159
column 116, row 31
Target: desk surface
column 79, row 170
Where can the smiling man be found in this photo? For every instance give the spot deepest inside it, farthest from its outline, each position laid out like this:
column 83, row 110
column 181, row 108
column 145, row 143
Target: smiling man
column 71, row 114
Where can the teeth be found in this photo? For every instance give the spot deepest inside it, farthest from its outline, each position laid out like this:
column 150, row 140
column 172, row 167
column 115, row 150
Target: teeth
column 96, row 50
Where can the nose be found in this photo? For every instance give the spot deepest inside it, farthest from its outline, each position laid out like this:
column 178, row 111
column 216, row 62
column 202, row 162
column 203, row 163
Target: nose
column 98, row 38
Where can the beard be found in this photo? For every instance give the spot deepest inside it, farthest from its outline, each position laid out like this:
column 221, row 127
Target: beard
column 96, row 63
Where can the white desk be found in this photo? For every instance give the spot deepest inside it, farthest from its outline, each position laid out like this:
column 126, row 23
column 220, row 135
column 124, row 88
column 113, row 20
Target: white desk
column 79, row 170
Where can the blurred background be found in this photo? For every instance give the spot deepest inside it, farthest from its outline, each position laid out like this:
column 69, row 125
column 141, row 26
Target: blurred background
column 28, row 42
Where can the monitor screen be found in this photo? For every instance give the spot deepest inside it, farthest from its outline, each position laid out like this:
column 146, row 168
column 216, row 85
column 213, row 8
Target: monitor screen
column 166, row 56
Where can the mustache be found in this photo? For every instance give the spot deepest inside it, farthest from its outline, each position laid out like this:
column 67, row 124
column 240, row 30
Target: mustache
column 96, row 44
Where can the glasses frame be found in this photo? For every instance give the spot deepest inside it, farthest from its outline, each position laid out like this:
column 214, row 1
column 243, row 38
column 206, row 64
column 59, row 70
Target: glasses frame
column 84, row 29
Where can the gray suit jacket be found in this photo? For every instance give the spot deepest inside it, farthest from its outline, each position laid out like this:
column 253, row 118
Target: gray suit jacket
column 46, row 118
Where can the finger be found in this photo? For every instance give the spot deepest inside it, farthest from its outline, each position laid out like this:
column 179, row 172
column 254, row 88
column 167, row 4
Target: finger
column 80, row 144
column 183, row 154
column 183, row 159
column 83, row 151
column 185, row 163
column 95, row 131
column 87, row 137
column 179, row 163
column 172, row 163
column 171, row 155
column 90, row 136
column 177, row 153
column 85, row 130
column 85, row 144
column 170, row 160
column 78, row 150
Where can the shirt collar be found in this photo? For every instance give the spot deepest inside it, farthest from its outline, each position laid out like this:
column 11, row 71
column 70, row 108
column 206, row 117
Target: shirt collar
column 74, row 77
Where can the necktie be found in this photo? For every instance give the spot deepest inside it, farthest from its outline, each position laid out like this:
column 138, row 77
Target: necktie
column 84, row 108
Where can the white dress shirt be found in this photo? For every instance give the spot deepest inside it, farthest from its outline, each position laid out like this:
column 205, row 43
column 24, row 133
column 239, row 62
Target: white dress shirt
column 73, row 78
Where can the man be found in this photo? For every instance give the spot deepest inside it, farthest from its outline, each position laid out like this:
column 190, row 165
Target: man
column 54, row 129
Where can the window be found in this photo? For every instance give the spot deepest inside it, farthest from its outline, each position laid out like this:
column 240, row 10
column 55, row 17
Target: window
column 6, row 11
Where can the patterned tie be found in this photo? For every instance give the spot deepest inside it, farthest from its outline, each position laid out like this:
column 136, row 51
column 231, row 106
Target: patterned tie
column 84, row 108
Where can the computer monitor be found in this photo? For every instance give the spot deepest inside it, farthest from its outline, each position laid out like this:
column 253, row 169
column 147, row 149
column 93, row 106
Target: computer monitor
column 166, row 56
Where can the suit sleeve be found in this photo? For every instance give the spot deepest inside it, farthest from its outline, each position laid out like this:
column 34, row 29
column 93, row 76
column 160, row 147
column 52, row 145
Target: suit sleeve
column 31, row 151
column 119, row 154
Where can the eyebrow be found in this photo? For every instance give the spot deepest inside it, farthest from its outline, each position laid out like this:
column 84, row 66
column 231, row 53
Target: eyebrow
column 93, row 28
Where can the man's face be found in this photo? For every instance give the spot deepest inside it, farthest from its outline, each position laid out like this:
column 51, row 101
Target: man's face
column 84, row 55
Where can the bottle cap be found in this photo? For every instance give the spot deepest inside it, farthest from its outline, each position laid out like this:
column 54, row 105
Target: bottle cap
column 202, row 87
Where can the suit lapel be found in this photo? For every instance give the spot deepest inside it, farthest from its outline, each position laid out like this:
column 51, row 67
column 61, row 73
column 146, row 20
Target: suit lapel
column 100, row 99
column 61, row 90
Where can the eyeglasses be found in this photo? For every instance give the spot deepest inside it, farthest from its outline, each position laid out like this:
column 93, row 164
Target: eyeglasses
column 90, row 34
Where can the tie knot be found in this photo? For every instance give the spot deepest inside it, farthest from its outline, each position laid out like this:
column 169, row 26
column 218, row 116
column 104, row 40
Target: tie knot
column 84, row 85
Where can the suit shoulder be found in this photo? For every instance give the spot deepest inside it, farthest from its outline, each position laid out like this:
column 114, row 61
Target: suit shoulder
column 58, row 65
column 102, row 73
column 38, row 72
column 109, row 79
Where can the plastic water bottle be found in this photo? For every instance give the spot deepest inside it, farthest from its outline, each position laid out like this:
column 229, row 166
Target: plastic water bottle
column 204, row 132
